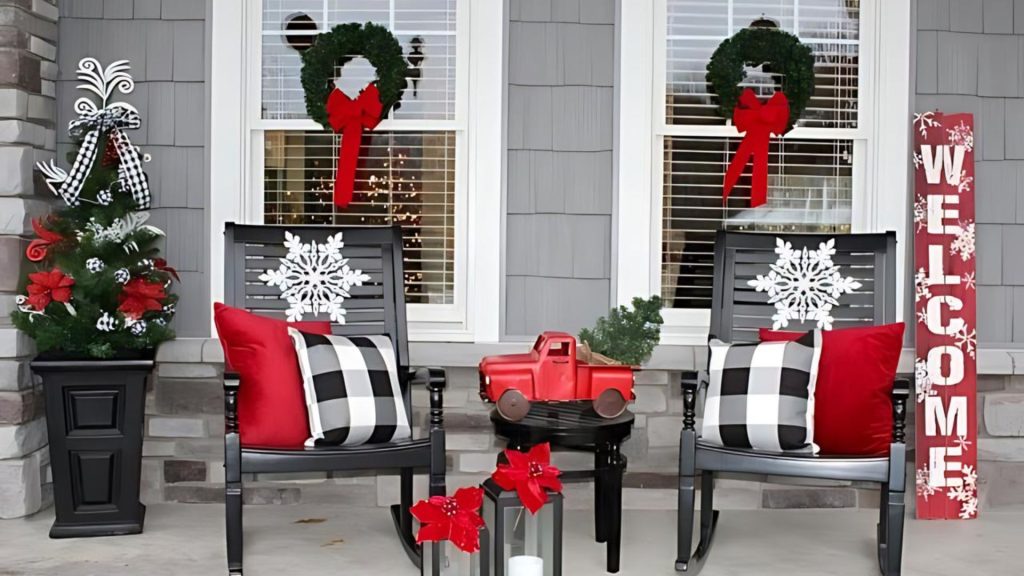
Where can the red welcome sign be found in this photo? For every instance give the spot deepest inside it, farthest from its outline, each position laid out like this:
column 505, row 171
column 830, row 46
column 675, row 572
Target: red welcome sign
column 946, row 359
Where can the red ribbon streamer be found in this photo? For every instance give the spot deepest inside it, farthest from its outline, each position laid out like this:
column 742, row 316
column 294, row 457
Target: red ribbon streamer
column 36, row 251
column 349, row 118
column 759, row 122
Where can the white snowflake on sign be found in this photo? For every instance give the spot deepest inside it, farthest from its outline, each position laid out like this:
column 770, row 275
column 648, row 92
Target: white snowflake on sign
column 314, row 277
column 964, row 243
column 966, row 340
column 924, row 121
column 964, row 444
column 920, row 213
column 924, row 489
column 966, row 182
column 804, row 284
column 921, row 286
column 969, row 281
column 967, row 493
column 918, row 161
column 922, row 384
column 961, row 135
column 922, row 317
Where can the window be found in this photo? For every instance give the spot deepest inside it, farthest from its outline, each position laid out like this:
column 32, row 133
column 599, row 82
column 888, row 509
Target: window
column 812, row 172
column 410, row 167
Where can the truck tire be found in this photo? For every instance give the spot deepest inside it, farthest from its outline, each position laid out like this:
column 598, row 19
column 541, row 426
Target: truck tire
column 513, row 406
column 609, row 404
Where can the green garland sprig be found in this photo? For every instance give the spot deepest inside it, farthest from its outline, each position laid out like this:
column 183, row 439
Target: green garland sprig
column 331, row 49
column 784, row 52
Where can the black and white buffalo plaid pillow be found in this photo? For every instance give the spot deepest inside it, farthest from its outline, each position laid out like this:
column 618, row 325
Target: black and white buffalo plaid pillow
column 352, row 389
column 761, row 395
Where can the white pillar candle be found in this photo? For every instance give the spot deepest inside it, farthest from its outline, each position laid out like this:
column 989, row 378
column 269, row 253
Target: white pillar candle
column 525, row 566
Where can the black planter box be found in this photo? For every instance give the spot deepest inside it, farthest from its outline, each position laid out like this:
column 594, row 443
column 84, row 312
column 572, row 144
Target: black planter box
column 94, row 413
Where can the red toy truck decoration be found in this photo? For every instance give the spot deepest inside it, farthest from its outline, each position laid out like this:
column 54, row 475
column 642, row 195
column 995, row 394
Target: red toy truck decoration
column 552, row 373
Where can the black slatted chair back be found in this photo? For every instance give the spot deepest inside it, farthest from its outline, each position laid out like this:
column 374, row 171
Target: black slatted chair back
column 738, row 309
column 377, row 307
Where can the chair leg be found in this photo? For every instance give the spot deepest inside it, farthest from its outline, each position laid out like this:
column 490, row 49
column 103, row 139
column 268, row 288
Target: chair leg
column 684, row 528
column 402, row 517
column 894, row 533
column 233, row 517
column 708, row 514
column 883, row 525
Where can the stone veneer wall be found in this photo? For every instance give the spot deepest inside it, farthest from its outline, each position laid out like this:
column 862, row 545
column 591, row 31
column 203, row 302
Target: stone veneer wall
column 183, row 449
column 28, row 70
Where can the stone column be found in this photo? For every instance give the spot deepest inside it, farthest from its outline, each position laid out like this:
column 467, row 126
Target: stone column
column 28, row 71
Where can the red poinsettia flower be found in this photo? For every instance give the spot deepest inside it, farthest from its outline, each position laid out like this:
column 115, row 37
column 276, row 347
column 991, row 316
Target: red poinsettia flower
column 36, row 251
column 48, row 286
column 453, row 518
column 161, row 264
column 139, row 296
column 530, row 474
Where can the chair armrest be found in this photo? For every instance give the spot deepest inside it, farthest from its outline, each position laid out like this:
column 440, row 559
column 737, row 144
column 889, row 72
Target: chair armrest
column 231, row 382
column 435, row 380
column 691, row 383
column 900, row 397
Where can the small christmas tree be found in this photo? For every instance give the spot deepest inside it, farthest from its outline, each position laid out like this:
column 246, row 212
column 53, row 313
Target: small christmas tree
column 627, row 335
column 99, row 289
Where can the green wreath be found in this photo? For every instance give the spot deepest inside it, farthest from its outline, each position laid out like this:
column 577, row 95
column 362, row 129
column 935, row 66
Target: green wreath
column 331, row 49
column 787, row 56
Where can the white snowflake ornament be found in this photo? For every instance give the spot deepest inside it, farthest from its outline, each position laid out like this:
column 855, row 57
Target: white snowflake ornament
column 94, row 265
column 804, row 284
column 314, row 278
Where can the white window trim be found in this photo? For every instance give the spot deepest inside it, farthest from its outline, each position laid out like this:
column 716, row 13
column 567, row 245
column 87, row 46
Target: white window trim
column 234, row 86
column 881, row 145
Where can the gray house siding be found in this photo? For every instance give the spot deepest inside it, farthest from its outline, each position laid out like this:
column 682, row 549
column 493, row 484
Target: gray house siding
column 559, row 189
column 166, row 44
column 970, row 58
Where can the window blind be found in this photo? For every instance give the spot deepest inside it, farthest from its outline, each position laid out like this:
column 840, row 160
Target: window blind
column 424, row 28
column 404, row 178
column 810, row 190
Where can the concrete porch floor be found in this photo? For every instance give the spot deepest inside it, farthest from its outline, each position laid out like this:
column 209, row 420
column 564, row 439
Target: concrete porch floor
column 187, row 540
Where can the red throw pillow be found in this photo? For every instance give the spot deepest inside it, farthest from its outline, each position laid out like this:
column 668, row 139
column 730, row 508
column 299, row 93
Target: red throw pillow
column 853, row 395
column 271, row 402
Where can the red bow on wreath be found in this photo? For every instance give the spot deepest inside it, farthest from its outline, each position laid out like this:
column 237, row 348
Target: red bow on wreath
column 349, row 118
column 759, row 121
column 530, row 474
column 36, row 251
column 453, row 518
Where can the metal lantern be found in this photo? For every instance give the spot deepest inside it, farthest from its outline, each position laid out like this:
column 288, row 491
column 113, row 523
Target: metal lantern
column 521, row 543
column 445, row 559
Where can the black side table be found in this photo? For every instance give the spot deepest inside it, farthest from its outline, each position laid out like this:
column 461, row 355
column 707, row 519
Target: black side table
column 575, row 426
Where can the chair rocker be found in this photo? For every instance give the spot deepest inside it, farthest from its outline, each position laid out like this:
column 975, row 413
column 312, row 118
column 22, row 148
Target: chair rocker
column 375, row 308
column 737, row 312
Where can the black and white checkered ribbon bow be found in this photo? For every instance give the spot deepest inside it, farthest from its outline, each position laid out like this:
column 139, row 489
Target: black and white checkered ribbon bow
column 111, row 120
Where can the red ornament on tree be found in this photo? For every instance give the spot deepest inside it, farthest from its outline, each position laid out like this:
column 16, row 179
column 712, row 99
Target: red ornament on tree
column 139, row 296
column 161, row 264
column 453, row 518
column 111, row 157
column 530, row 474
column 49, row 286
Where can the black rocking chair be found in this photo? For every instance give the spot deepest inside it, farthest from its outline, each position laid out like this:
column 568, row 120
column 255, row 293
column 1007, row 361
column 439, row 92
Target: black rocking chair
column 737, row 312
column 375, row 308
